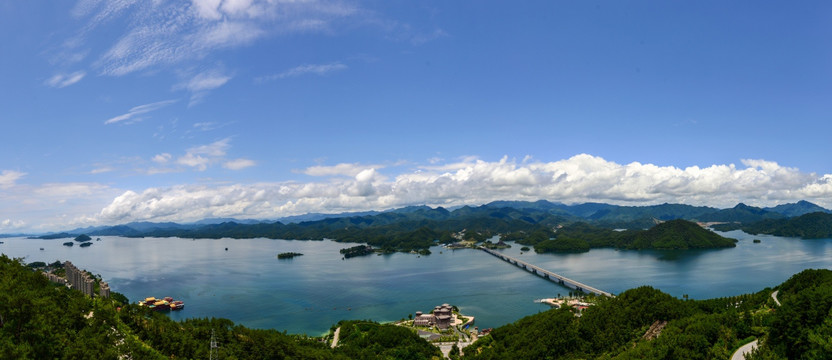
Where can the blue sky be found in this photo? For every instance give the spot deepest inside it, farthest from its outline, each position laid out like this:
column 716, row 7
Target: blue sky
column 118, row 111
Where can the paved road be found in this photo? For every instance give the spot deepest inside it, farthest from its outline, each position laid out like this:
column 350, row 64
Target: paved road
column 335, row 337
column 774, row 296
column 745, row 349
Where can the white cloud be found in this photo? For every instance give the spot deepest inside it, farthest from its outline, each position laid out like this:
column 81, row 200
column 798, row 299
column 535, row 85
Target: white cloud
column 164, row 33
column 201, row 156
column 200, row 84
column 138, row 110
column 314, row 69
column 238, row 164
column 8, row 178
column 581, row 178
column 9, row 224
column 162, row 158
column 339, row 169
column 52, row 206
column 64, row 80
column 204, row 81
column 102, row 170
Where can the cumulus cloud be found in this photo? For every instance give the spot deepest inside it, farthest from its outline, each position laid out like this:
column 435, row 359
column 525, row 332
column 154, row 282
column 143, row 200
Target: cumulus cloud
column 52, row 206
column 64, row 80
column 162, row 158
column 133, row 115
column 581, row 178
column 8, row 178
column 9, row 224
column 201, row 156
column 314, row 69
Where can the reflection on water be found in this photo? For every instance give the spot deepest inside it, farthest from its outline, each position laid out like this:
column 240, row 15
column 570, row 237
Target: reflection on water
column 307, row 294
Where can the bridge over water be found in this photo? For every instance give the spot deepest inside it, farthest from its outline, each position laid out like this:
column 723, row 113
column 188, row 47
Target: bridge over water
column 546, row 274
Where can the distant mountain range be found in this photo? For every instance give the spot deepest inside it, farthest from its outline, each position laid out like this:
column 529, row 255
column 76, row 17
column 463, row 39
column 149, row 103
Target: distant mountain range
column 398, row 228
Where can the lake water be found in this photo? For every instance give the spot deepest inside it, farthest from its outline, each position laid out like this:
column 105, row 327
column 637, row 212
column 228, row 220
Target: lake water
column 310, row 293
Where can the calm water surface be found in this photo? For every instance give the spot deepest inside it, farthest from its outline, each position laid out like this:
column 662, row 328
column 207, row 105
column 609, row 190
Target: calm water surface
column 308, row 294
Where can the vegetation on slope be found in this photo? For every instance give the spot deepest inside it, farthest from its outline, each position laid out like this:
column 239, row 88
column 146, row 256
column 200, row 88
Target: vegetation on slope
column 676, row 234
column 42, row 320
column 817, row 225
column 370, row 340
column 615, row 328
column 673, row 234
column 39, row 319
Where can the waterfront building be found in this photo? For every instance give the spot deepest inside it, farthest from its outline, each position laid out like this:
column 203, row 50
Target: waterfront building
column 79, row 279
column 104, row 290
column 441, row 317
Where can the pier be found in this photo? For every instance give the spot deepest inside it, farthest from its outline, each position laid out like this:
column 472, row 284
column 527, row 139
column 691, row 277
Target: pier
column 546, row 274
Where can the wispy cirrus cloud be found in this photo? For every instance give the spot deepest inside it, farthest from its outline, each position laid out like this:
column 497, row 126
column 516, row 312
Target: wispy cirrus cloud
column 8, row 178
column 204, row 81
column 239, row 164
column 306, row 69
column 344, row 169
column 64, row 80
column 200, row 84
column 162, row 33
column 134, row 114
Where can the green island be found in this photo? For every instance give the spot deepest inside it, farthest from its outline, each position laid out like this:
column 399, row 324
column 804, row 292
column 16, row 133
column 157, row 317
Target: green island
column 41, row 319
column 83, row 238
column 288, row 255
column 360, row 250
column 581, row 237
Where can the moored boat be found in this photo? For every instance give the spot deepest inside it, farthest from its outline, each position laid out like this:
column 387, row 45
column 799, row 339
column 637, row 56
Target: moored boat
column 163, row 304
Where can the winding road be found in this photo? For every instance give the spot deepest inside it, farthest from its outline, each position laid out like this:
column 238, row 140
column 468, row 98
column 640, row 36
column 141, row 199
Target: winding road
column 335, row 337
column 747, row 348
column 743, row 350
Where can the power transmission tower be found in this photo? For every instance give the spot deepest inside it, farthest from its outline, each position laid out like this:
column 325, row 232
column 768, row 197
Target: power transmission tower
column 214, row 355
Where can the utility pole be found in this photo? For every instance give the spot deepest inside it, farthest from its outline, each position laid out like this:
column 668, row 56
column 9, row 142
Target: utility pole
column 214, row 355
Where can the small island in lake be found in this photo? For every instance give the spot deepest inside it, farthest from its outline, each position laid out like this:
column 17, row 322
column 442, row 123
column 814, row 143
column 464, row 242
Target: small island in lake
column 288, row 255
column 69, row 243
column 86, row 244
column 756, row 241
column 83, row 238
column 360, row 250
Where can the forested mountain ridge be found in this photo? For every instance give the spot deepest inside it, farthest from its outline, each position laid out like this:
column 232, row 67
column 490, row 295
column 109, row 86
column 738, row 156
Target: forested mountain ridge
column 817, row 225
column 403, row 229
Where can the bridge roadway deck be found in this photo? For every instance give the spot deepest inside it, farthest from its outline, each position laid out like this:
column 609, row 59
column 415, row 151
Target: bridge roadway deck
column 546, row 274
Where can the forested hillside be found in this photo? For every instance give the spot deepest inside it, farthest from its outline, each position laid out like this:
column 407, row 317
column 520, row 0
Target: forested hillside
column 43, row 320
column 673, row 234
column 625, row 327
